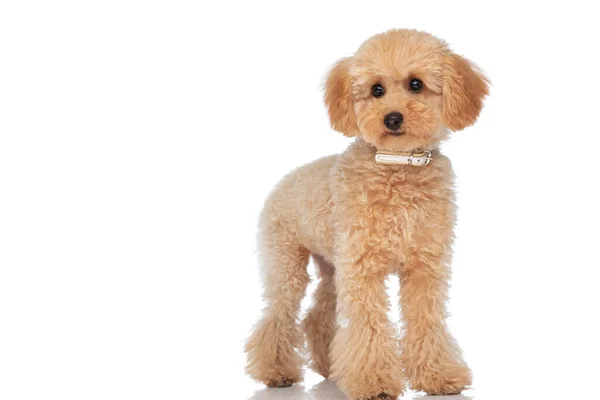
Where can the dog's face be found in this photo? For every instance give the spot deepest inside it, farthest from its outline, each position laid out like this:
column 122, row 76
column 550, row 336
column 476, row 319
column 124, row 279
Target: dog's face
column 402, row 90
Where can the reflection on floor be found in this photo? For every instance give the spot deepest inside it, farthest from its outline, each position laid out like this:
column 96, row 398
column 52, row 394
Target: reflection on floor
column 327, row 390
column 324, row 390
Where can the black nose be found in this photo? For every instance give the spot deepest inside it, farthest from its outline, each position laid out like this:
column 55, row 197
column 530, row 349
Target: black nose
column 393, row 120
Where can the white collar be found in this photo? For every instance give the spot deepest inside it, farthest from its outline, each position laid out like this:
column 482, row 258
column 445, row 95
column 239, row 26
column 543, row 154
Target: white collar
column 416, row 157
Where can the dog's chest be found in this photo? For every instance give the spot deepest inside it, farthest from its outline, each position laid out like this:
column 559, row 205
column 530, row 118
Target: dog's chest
column 393, row 205
column 413, row 199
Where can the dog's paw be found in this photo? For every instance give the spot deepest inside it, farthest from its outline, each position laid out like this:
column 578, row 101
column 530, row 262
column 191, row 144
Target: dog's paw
column 280, row 383
column 445, row 389
column 380, row 396
column 452, row 381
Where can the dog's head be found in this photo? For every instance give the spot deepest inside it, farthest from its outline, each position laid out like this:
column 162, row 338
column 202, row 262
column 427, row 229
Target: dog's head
column 402, row 89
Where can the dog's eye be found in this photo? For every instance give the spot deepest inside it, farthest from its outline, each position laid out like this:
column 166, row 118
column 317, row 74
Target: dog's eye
column 377, row 90
column 415, row 85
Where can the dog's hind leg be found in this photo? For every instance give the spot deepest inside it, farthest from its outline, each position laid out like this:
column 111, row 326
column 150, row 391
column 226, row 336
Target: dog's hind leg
column 274, row 346
column 320, row 322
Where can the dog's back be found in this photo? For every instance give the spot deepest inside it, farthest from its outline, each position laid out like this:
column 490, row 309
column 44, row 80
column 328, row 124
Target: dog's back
column 300, row 206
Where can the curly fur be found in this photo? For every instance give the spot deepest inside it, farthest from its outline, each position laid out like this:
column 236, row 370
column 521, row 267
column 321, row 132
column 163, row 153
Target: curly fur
column 365, row 221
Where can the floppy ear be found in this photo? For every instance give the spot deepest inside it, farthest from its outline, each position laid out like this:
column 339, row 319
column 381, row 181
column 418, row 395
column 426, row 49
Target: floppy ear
column 338, row 99
column 463, row 92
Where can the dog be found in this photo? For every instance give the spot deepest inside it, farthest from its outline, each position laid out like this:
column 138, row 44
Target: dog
column 384, row 206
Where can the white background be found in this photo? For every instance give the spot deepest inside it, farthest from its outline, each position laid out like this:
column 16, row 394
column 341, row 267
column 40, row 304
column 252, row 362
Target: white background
column 138, row 140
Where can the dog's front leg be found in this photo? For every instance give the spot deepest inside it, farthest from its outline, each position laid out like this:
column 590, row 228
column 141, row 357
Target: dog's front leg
column 365, row 352
column 431, row 356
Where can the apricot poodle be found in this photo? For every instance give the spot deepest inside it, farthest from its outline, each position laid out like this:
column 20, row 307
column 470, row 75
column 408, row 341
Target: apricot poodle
column 384, row 206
